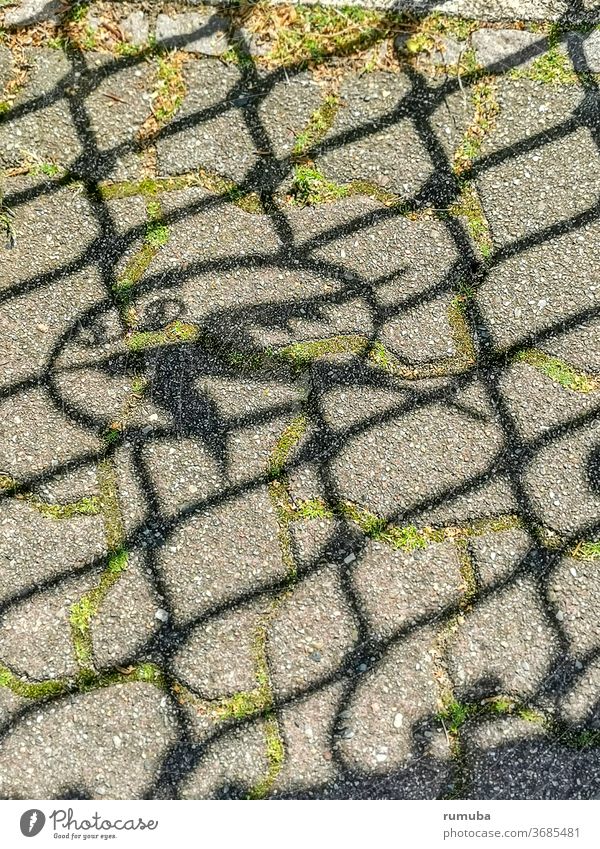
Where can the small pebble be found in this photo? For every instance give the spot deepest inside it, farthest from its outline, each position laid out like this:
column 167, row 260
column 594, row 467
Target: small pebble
column 162, row 615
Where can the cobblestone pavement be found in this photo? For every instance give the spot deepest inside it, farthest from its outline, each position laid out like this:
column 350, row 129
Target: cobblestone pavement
column 299, row 435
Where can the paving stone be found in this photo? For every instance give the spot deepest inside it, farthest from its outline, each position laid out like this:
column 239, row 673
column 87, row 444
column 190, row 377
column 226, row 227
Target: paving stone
column 241, row 287
column 220, row 554
column 388, row 721
column 557, row 475
column 505, row 645
column 10, row 705
column 46, row 132
column 307, row 727
column 217, row 658
column 567, row 500
column 370, row 129
column 507, row 48
column 32, row 11
column 395, row 589
column 497, row 556
column 35, row 633
column 550, row 184
column 126, row 621
column 38, row 552
column 193, row 32
column 231, row 767
column 404, row 270
column 117, row 106
column 136, row 27
column 41, row 443
column 577, row 703
column 312, row 634
column 524, row 301
column 584, row 51
column 85, row 121
column 414, row 461
column 224, row 433
column 235, row 130
column 66, row 748
column 575, row 589
column 511, row 758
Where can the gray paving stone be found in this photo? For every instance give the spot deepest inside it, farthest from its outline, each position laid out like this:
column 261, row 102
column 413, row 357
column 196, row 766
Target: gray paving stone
column 535, row 295
column 10, row 705
column 510, row 758
column 136, row 27
column 497, row 556
column 29, row 12
column 221, row 553
column 557, row 476
column 389, row 721
column 41, row 443
column 60, row 120
column 584, row 50
column 433, row 463
column 395, row 589
column 312, row 634
column 505, row 644
column 47, row 131
column 507, row 48
column 193, row 32
column 38, row 551
column 566, row 500
column 234, row 130
column 307, row 727
column 578, row 703
column 369, row 131
column 126, row 621
column 405, row 271
column 67, row 747
column 35, row 634
column 217, row 658
column 549, row 187
column 231, row 767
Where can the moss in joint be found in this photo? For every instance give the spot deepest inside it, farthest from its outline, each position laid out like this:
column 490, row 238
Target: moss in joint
column 559, row 371
column 459, row 327
column 173, row 334
column 34, row 690
column 318, row 125
column 586, row 550
column 286, row 442
column 87, row 506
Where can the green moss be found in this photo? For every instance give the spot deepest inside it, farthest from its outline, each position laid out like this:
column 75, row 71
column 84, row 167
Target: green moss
column 318, row 125
column 286, row 442
column 170, row 88
column 460, row 328
column 275, row 754
column 456, row 714
column 175, row 333
column 310, row 187
column 587, row 551
column 312, row 509
column 157, row 234
column 559, row 371
column 84, row 507
column 34, row 690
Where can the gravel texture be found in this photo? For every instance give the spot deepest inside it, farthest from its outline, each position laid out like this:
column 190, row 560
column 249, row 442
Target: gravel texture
column 299, row 394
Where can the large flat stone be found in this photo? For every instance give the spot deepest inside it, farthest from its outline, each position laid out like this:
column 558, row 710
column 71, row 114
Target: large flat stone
column 105, row 744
